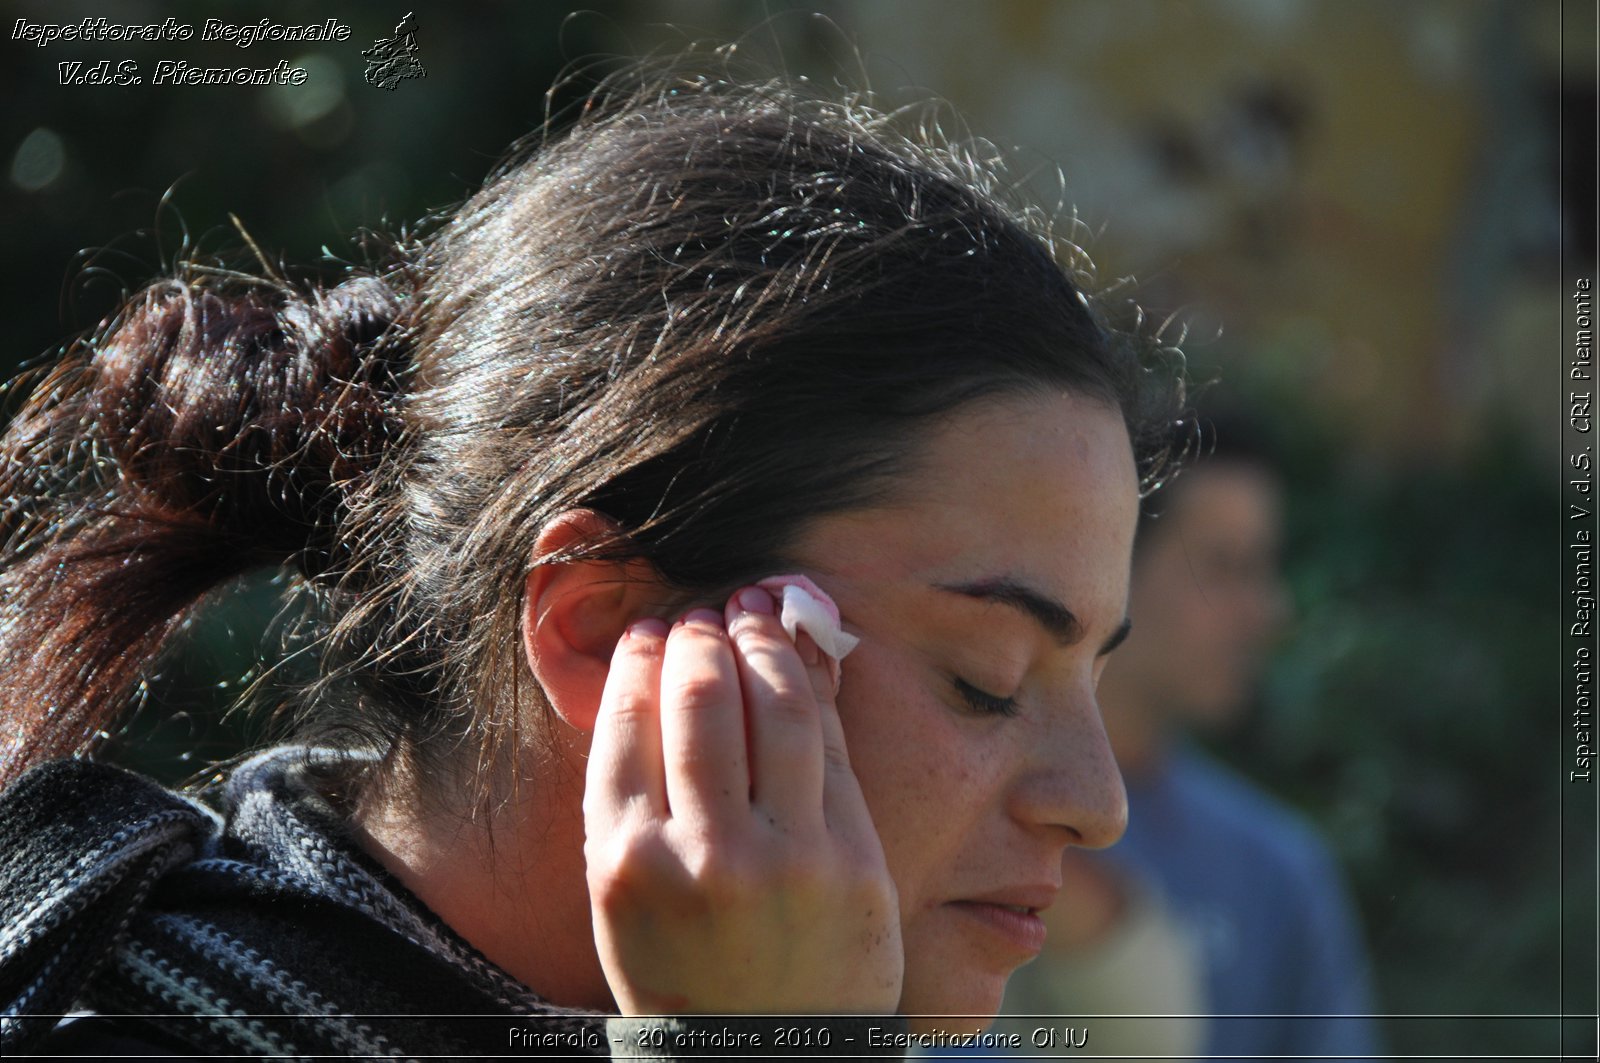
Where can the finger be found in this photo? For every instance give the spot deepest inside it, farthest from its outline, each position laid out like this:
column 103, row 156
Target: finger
column 625, row 767
column 844, row 808
column 702, row 723
column 822, row 671
column 780, row 700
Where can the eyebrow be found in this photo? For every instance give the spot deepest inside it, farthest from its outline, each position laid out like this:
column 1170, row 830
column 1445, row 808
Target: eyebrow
column 1060, row 622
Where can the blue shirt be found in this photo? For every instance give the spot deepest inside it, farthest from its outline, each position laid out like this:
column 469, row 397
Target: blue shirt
column 1264, row 898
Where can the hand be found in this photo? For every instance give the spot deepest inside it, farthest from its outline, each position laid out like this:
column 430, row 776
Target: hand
column 732, row 864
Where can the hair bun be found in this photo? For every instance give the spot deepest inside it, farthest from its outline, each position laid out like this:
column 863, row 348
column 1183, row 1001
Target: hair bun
column 249, row 413
column 199, row 434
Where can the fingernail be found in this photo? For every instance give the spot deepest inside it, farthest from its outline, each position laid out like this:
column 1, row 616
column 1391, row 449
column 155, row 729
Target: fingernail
column 705, row 617
column 647, row 627
column 755, row 600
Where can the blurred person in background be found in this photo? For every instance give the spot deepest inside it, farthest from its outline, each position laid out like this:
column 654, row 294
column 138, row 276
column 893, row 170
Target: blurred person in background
column 1219, row 900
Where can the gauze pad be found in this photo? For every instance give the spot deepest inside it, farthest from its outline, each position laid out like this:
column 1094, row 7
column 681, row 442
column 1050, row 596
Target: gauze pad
column 804, row 606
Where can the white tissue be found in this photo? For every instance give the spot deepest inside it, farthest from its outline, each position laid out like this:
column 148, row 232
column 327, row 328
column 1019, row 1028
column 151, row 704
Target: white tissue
column 803, row 606
column 802, row 612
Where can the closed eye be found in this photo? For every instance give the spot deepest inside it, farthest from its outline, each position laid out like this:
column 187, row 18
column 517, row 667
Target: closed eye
column 984, row 702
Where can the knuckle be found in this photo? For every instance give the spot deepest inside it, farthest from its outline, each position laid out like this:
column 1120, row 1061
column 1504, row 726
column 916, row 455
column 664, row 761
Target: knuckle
column 698, row 691
column 836, row 759
column 723, row 877
column 605, row 816
column 768, row 647
column 625, row 707
column 612, row 891
column 626, row 870
column 870, row 884
column 792, row 704
column 783, row 688
column 758, row 629
column 803, row 875
column 859, row 870
column 624, row 851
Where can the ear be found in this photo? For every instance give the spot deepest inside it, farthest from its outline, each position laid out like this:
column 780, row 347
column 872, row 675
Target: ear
column 573, row 613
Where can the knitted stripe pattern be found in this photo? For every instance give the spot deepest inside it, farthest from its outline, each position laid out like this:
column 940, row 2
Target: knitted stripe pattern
column 261, row 929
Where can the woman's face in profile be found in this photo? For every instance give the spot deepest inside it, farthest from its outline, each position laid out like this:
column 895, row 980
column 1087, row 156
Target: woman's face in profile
column 987, row 593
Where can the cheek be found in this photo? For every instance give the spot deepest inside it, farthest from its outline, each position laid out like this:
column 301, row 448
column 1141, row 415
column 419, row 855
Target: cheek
column 915, row 768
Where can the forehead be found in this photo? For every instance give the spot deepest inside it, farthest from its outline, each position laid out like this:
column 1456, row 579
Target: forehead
column 1221, row 500
column 1041, row 488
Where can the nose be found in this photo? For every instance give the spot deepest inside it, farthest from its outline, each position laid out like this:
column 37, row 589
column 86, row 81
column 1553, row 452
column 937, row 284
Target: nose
column 1070, row 785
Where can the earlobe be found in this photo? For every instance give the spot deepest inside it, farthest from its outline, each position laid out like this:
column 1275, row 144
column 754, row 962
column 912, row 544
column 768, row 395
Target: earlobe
column 573, row 612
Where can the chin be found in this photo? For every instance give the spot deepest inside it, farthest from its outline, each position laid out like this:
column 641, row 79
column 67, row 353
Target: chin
column 950, row 1024
column 964, row 1009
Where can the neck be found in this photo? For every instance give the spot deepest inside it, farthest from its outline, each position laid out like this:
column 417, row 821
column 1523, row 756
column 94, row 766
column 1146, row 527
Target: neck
column 511, row 883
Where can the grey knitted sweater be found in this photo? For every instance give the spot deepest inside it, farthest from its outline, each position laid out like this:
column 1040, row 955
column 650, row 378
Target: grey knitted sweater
column 258, row 927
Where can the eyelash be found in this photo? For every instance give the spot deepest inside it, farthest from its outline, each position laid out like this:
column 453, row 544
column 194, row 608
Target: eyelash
column 984, row 702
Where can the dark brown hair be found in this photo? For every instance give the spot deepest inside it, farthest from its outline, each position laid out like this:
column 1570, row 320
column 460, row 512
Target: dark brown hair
column 710, row 311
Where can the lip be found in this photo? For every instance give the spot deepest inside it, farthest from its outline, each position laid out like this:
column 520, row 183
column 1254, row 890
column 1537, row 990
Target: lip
column 1022, row 931
column 998, row 912
column 1038, row 896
